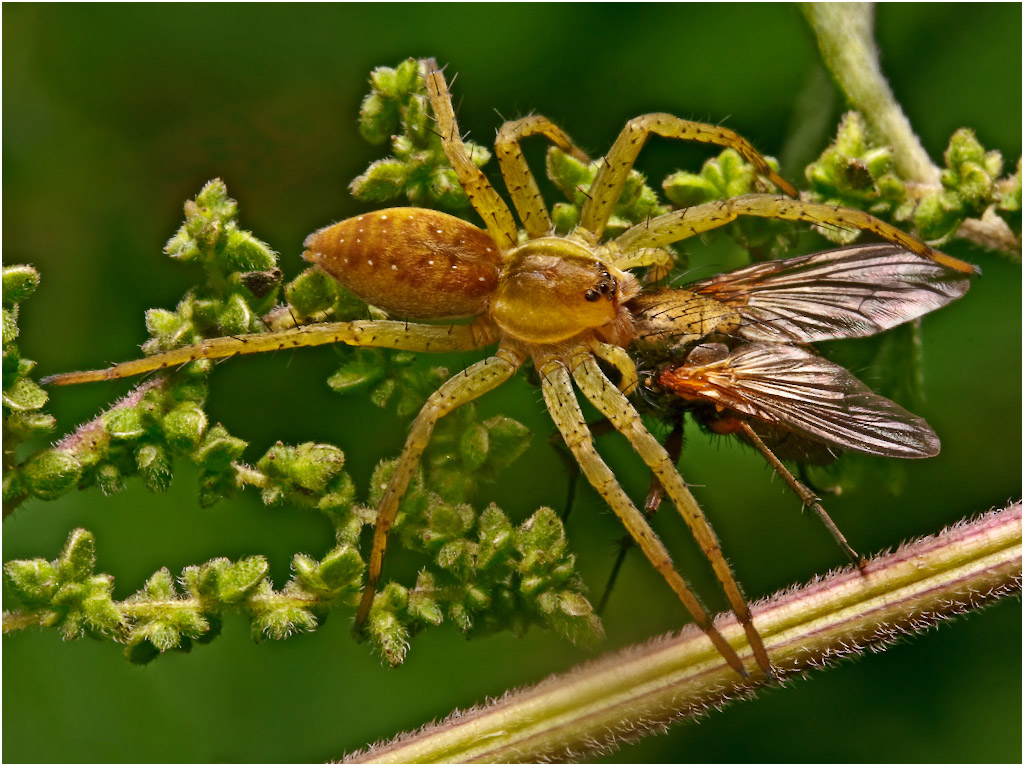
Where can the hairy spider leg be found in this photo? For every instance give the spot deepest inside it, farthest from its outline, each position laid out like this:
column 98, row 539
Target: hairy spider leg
column 482, row 196
column 617, row 357
column 655, row 496
column 612, row 177
column 560, row 398
column 808, row 498
column 403, row 336
column 460, row 389
column 519, row 180
column 613, row 405
column 661, row 262
column 681, row 224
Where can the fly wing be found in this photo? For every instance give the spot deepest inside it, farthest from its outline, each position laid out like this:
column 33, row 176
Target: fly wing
column 851, row 292
column 793, row 388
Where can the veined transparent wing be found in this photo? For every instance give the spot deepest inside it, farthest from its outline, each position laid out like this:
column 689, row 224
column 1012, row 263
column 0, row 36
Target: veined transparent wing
column 851, row 292
column 791, row 387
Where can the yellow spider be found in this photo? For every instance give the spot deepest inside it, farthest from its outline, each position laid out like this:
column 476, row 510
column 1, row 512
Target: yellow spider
column 561, row 301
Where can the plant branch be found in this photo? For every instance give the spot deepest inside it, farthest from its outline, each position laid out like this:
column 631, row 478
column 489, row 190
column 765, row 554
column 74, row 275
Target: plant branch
column 845, row 35
column 642, row 689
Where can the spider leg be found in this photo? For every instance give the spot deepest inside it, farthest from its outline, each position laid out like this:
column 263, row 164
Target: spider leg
column 522, row 186
column 611, row 178
column 379, row 333
column 617, row 357
column 464, row 387
column 655, row 496
column 661, row 260
column 572, row 468
column 565, row 411
column 485, row 200
column 808, row 498
column 614, row 406
column 681, row 224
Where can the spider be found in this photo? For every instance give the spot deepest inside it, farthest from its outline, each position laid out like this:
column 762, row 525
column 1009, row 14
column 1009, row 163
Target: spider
column 560, row 301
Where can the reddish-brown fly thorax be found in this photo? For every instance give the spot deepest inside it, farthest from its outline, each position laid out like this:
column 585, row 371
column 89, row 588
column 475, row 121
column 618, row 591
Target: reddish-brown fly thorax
column 410, row 262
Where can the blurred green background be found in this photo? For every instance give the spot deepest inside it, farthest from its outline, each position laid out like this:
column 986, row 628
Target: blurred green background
column 114, row 115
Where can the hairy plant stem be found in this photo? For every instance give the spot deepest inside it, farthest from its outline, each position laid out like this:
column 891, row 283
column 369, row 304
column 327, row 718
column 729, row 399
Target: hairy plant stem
column 845, row 35
column 642, row 689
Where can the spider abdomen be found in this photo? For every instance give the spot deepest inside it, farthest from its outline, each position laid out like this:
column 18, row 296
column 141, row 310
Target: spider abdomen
column 410, row 262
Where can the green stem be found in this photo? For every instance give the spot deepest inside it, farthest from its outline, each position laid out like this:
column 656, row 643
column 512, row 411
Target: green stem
column 245, row 474
column 641, row 689
column 845, row 33
column 13, row 621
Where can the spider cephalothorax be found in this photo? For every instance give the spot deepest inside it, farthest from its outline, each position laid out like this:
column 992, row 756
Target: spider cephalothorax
column 563, row 302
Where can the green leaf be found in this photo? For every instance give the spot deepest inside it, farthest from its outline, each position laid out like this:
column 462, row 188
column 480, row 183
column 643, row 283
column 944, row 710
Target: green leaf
column 124, row 423
column 10, row 325
column 235, row 317
column 276, row 617
column 154, row 467
column 243, row 252
column 235, row 581
column 316, row 464
column 218, row 449
column 508, row 440
column 342, row 568
column 24, row 395
column 386, row 630
column 313, row 291
column 78, row 559
column 185, row 424
column 475, row 446
column 109, row 479
column 364, row 368
column 50, row 474
column 378, row 118
column 33, row 581
column 19, row 282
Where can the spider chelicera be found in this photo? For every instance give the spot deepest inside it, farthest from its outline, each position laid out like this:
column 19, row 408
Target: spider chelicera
column 561, row 301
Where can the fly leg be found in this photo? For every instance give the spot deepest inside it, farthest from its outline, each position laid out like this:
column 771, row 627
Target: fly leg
column 808, row 498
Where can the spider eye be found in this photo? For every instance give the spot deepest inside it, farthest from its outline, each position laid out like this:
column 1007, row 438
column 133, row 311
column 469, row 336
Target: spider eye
column 606, row 286
column 592, row 295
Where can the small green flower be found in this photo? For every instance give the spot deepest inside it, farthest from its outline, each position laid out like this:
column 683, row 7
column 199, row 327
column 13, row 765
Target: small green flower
column 397, row 110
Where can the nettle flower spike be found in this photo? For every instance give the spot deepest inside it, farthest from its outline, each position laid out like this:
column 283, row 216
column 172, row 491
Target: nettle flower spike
column 855, row 172
column 486, row 575
column 242, row 278
column 726, row 176
column 23, row 399
column 65, row 593
column 171, row 615
column 398, row 109
column 574, row 177
column 970, row 185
